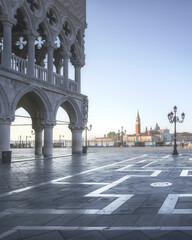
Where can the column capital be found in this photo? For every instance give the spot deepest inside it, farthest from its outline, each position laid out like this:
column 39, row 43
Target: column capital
column 50, row 45
column 78, row 64
column 37, row 126
column 76, row 126
column 31, row 34
column 66, row 54
column 6, row 119
column 47, row 123
column 6, row 20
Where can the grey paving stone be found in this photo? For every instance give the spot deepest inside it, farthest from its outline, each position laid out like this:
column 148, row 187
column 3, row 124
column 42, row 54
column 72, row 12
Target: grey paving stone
column 98, row 166
column 136, row 235
column 82, row 235
column 55, row 235
column 175, row 235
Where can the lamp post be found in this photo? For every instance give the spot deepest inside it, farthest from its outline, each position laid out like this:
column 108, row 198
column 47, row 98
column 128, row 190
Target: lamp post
column 26, row 140
column 86, row 129
column 174, row 119
column 61, row 143
column 121, row 134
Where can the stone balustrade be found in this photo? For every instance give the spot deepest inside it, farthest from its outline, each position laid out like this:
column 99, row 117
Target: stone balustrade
column 20, row 65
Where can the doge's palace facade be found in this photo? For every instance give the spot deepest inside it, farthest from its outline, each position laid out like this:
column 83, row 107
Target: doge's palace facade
column 38, row 38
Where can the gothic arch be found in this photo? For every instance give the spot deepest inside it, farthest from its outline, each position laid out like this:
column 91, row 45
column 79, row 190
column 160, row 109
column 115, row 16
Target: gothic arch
column 27, row 17
column 37, row 102
column 71, row 107
column 66, row 30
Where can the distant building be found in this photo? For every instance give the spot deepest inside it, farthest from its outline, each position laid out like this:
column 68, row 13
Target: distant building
column 154, row 136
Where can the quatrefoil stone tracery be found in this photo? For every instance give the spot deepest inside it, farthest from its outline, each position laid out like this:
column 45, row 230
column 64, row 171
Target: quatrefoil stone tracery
column 21, row 43
column 39, row 42
column 67, row 29
column 34, row 5
column 51, row 16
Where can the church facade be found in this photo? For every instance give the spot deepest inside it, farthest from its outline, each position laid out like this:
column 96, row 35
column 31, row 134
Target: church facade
column 150, row 137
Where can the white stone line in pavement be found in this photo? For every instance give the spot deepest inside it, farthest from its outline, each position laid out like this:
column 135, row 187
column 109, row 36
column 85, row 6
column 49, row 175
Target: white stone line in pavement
column 155, row 161
column 184, row 173
column 67, row 177
column 3, row 214
column 123, row 168
column 110, row 185
column 7, row 233
column 154, row 174
column 148, row 164
column 142, row 161
column 115, row 204
column 98, row 228
column 81, row 183
column 166, row 156
column 168, row 206
column 190, row 159
column 121, row 198
column 49, row 211
column 95, row 228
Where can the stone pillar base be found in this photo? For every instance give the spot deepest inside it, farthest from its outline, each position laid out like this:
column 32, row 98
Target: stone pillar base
column 76, row 141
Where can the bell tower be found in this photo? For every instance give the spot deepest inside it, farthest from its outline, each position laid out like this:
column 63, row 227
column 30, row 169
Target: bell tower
column 138, row 124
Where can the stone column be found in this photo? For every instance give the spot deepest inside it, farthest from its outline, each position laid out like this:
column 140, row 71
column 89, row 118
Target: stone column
column 38, row 128
column 78, row 77
column 31, row 55
column 48, row 140
column 76, row 139
column 66, row 70
column 50, row 48
column 4, row 136
column 7, row 44
column 38, row 142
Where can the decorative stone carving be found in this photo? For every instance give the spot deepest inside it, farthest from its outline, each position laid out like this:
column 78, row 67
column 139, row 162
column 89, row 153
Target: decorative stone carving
column 21, row 43
column 52, row 17
column 85, row 109
column 76, row 7
column 76, row 126
column 34, row 5
column 39, row 42
column 1, row 44
column 67, row 29
column 6, row 119
column 48, row 123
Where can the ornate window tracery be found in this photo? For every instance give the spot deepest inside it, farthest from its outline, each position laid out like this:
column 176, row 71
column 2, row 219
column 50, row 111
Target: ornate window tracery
column 67, row 29
column 51, row 16
column 34, row 5
column 21, row 43
column 58, row 42
column 1, row 44
column 39, row 42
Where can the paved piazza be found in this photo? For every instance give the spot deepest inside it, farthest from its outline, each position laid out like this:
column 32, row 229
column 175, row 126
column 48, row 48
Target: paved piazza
column 106, row 194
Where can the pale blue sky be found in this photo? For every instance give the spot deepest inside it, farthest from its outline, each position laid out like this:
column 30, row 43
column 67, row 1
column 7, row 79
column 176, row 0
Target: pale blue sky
column 138, row 57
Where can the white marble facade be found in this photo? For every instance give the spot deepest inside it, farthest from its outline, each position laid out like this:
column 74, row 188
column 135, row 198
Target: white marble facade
column 38, row 38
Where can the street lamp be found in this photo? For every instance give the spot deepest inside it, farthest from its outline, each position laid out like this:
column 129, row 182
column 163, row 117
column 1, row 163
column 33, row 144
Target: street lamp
column 86, row 129
column 26, row 140
column 121, row 134
column 61, row 143
column 174, row 119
